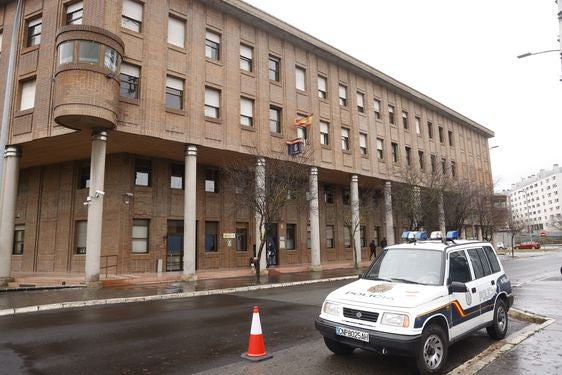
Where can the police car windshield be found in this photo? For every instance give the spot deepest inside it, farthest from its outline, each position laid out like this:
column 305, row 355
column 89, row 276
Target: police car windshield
column 413, row 266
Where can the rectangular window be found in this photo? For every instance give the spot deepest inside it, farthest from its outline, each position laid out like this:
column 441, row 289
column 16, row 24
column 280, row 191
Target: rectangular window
column 345, row 196
column 377, row 108
column 211, row 236
column 347, row 237
column 453, row 169
column 274, row 66
column 451, row 142
column 212, row 102
column 433, row 164
column 212, row 181
column 33, row 29
column 308, row 237
column 246, row 112
column 19, row 235
column 322, row 87
column 302, row 133
column 84, row 179
column 324, row 133
column 80, row 234
column 1, row 37
column 362, row 231
column 345, row 139
column 391, row 114
column 89, row 52
column 177, row 176
column 27, row 94
column 342, row 92
column 176, row 31
column 430, row 130
column 408, row 156
column 241, row 236
column 274, row 119
column 329, row 236
column 74, row 13
column 328, row 194
column 300, row 76
column 421, row 160
column 212, row 45
column 418, row 128
column 291, row 237
column 405, row 120
column 444, row 166
column 143, row 172
column 131, row 16
column 394, row 150
column 363, row 143
column 140, row 236
column 360, row 102
column 380, row 149
column 174, row 93
column 441, row 136
column 246, row 57
column 129, row 81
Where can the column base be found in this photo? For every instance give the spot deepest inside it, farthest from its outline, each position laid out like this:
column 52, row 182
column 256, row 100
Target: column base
column 316, row 268
column 94, row 284
column 189, row 277
column 4, row 281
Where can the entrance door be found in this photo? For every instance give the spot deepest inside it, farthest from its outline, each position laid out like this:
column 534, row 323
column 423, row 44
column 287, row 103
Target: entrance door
column 271, row 244
column 174, row 248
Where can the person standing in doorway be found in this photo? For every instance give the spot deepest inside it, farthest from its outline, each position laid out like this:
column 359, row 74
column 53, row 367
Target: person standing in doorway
column 373, row 247
column 383, row 243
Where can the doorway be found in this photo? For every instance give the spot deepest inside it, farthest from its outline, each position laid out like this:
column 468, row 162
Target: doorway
column 271, row 244
column 174, row 247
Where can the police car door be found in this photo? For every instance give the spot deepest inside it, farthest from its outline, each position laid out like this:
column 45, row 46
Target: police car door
column 464, row 307
column 487, row 288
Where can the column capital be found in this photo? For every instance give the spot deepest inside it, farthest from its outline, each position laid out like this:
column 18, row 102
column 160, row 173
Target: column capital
column 190, row 150
column 354, row 178
column 313, row 171
column 99, row 135
column 12, row 151
column 388, row 184
column 260, row 161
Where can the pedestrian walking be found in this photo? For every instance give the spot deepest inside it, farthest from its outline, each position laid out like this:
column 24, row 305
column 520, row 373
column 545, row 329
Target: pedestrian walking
column 373, row 247
column 383, row 243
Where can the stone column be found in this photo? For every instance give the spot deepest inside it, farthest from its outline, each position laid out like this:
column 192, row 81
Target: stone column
column 388, row 213
column 314, row 221
column 260, row 196
column 12, row 156
column 95, row 208
column 190, row 213
column 355, row 220
column 441, row 213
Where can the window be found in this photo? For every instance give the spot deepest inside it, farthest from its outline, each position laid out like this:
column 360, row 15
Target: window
column 418, row 127
column 212, row 45
column 241, row 236
column 405, row 119
column 441, row 137
column 246, row 112
column 408, row 156
column 444, row 166
column 19, row 234
column 33, row 29
column 27, row 94
column 453, row 169
column 322, row 87
column 177, row 176
column 89, row 52
column 300, row 75
column 308, row 237
column 328, row 194
column 360, row 102
column 291, row 237
column 394, row 150
column 129, row 81
column 274, row 65
column 391, row 114
column 212, row 181
column 421, row 160
column 324, row 133
column 84, row 179
column 377, row 108
column 362, row 231
column 143, row 172
column 302, row 133
column 1, row 38
column 479, row 262
column 211, row 231
column 131, row 16
column 80, row 235
column 174, row 93
column 212, row 103
column 140, row 236
column 246, row 57
column 346, row 237
column 329, row 236
column 345, row 196
column 176, row 31
column 345, row 139
column 111, row 59
column 380, row 149
column 274, row 119
column 430, row 130
column 433, row 164
column 492, row 258
column 342, row 92
column 74, row 13
column 458, row 267
column 450, row 134
column 363, row 143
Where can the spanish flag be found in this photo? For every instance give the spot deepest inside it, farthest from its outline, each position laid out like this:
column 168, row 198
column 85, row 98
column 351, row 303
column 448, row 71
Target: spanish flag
column 304, row 122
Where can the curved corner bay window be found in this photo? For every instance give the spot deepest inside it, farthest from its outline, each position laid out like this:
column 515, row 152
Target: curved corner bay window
column 88, row 52
column 66, row 51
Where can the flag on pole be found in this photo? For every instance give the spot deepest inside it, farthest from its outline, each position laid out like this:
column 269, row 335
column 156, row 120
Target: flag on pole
column 304, row 122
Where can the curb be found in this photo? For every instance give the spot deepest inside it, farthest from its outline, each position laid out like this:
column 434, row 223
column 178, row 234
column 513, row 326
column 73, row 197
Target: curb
column 494, row 351
column 158, row 297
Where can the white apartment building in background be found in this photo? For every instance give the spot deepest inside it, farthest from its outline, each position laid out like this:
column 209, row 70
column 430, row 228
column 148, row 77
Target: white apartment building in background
column 536, row 200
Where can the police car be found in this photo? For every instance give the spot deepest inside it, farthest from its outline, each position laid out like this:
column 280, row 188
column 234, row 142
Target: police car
column 419, row 297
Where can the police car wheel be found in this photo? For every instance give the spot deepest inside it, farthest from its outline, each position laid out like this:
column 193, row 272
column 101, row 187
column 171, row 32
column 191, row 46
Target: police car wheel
column 498, row 329
column 337, row 347
column 432, row 352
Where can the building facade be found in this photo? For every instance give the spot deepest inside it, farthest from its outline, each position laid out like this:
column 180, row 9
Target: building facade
column 119, row 114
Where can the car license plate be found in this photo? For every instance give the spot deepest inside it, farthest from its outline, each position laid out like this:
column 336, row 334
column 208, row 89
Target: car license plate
column 354, row 334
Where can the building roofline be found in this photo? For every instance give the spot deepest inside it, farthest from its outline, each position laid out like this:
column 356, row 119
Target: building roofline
column 284, row 30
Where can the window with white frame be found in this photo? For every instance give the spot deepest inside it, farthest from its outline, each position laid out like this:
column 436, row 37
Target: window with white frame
column 274, row 66
column 212, row 102
column 131, row 15
column 274, row 119
column 211, row 180
column 74, row 13
column 377, row 108
column 322, row 87
column 1, row 36
column 246, row 112
column 80, row 234
column 418, row 126
column 140, row 236
column 176, row 31
column 27, row 94
column 363, row 143
column 346, row 237
column 300, row 76
column 421, row 160
column 329, row 236
column 342, row 92
column 143, row 172
column 324, row 133
column 302, row 133
column 345, row 139
column 391, row 114
column 129, row 81
column 212, row 45
column 380, row 150
column 211, row 236
column 394, row 151
column 246, row 57
column 33, row 30
column 360, row 102
column 408, row 155
column 19, row 235
column 405, row 120
column 174, row 92
column 177, row 175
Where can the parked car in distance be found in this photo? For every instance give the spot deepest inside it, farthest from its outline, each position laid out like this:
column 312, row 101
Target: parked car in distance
column 500, row 246
column 528, row 245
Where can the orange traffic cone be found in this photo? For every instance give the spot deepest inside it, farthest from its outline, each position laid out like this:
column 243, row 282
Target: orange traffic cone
column 256, row 347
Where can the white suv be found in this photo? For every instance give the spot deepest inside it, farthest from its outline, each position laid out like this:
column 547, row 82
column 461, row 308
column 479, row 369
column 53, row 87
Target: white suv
column 418, row 298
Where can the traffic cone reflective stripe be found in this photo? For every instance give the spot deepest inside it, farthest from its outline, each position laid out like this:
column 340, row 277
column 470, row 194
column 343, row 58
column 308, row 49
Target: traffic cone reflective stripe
column 256, row 346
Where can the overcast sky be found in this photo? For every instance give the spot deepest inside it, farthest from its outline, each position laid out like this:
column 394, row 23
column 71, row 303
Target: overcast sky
column 462, row 54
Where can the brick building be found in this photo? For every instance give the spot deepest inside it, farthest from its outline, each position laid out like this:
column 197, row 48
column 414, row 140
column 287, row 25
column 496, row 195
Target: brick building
column 118, row 115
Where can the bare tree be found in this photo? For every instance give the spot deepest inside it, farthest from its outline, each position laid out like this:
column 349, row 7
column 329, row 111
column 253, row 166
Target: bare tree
column 459, row 200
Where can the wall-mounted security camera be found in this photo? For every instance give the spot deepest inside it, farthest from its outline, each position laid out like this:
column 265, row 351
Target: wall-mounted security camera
column 129, row 195
column 99, row 193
